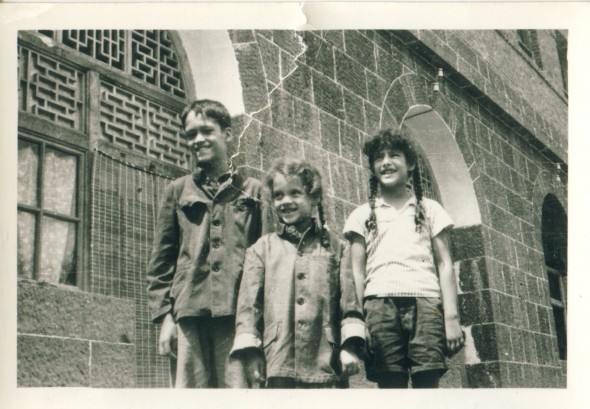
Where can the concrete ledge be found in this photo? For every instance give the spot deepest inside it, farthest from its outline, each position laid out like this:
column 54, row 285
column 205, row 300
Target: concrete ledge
column 112, row 365
column 43, row 361
column 65, row 311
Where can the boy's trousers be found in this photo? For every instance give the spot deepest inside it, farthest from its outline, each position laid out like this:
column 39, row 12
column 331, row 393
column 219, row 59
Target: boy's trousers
column 203, row 354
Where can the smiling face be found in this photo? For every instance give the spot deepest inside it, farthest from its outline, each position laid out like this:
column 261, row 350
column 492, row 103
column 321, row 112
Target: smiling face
column 207, row 141
column 292, row 203
column 391, row 169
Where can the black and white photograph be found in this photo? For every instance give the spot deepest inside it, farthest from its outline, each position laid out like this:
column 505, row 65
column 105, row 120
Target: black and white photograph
column 258, row 206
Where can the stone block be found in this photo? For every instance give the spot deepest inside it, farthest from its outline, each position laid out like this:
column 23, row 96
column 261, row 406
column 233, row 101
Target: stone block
column 288, row 40
column 476, row 307
column 485, row 340
column 518, row 345
column 344, row 179
column 543, row 313
column 376, row 88
column 43, row 361
column 112, row 365
column 298, row 82
column 330, row 133
column 372, row 119
column 282, row 111
column 467, row 242
column 350, row 144
column 473, row 275
column 483, row 375
column 276, row 144
column 306, row 122
column 354, row 111
column 249, row 146
column 319, row 54
column 336, row 37
column 360, row 48
column 65, row 311
column 270, row 56
column 241, row 36
column 351, row 74
column 319, row 158
column 251, row 71
column 328, row 95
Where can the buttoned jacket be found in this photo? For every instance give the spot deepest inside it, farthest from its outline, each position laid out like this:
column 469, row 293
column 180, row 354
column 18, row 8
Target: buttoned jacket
column 199, row 245
column 297, row 304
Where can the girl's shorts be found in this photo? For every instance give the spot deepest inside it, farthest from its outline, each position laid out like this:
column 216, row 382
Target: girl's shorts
column 407, row 335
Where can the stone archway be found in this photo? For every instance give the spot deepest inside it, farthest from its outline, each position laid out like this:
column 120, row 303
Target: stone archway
column 208, row 62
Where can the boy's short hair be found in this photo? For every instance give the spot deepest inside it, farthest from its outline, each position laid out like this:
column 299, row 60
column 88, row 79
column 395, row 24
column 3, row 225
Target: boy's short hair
column 208, row 108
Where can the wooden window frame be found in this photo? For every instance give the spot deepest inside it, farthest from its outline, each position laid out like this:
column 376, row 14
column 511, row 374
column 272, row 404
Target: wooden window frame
column 40, row 212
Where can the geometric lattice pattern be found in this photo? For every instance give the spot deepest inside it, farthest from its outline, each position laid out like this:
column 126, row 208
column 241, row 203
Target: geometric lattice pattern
column 154, row 60
column 107, row 46
column 148, row 55
column 123, row 216
column 50, row 89
column 141, row 125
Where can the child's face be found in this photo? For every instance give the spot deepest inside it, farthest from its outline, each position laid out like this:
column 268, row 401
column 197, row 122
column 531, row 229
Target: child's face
column 207, row 142
column 391, row 168
column 291, row 201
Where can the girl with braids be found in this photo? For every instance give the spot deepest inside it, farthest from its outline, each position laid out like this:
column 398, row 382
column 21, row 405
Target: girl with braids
column 299, row 322
column 403, row 270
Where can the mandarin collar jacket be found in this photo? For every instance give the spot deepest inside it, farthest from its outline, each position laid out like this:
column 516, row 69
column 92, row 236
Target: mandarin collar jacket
column 199, row 245
column 297, row 304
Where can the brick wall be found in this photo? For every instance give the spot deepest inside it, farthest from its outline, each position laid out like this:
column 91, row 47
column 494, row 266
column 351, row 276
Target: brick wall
column 320, row 94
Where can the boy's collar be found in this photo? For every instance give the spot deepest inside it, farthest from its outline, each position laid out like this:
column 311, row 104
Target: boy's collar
column 200, row 176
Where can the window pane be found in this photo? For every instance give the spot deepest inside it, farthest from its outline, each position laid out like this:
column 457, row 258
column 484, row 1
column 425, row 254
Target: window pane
column 59, row 182
column 28, row 165
column 58, row 247
column 26, row 244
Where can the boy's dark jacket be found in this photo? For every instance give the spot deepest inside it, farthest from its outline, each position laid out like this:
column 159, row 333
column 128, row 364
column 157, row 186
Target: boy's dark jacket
column 298, row 305
column 199, row 245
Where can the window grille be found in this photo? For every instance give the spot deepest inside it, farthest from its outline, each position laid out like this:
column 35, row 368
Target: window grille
column 148, row 55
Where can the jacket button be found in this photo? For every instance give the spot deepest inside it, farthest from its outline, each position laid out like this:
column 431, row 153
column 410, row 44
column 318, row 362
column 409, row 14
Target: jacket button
column 301, row 276
column 301, row 301
column 216, row 267
column 216, row 222
column 216, row 245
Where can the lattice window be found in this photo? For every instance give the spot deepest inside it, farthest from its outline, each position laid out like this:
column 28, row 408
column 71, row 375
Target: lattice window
column 148, row 55
column 50, row 89
column 141, row 125
column 107, row 46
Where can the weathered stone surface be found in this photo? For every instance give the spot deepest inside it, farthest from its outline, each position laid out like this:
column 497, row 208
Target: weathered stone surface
column 68, row 312
column 43, row 361
column 112, row 365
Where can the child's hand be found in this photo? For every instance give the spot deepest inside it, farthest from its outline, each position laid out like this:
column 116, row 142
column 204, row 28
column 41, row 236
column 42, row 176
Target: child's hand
column 255, row 366
column 350, row 362
column 168, row 335
column 455, row 336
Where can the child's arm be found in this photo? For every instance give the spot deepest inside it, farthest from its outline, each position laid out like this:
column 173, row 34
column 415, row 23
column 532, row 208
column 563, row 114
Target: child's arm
column 448, row 287
column 358, row 250
column 250, row 305
column 353, row 328
column 162, row 268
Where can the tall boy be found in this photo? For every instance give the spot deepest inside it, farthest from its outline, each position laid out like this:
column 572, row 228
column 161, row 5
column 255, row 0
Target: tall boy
column 206, row 222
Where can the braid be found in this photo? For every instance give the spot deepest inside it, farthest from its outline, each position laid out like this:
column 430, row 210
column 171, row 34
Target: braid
column 325, row 239
column 371, row 223
column 420, row 216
